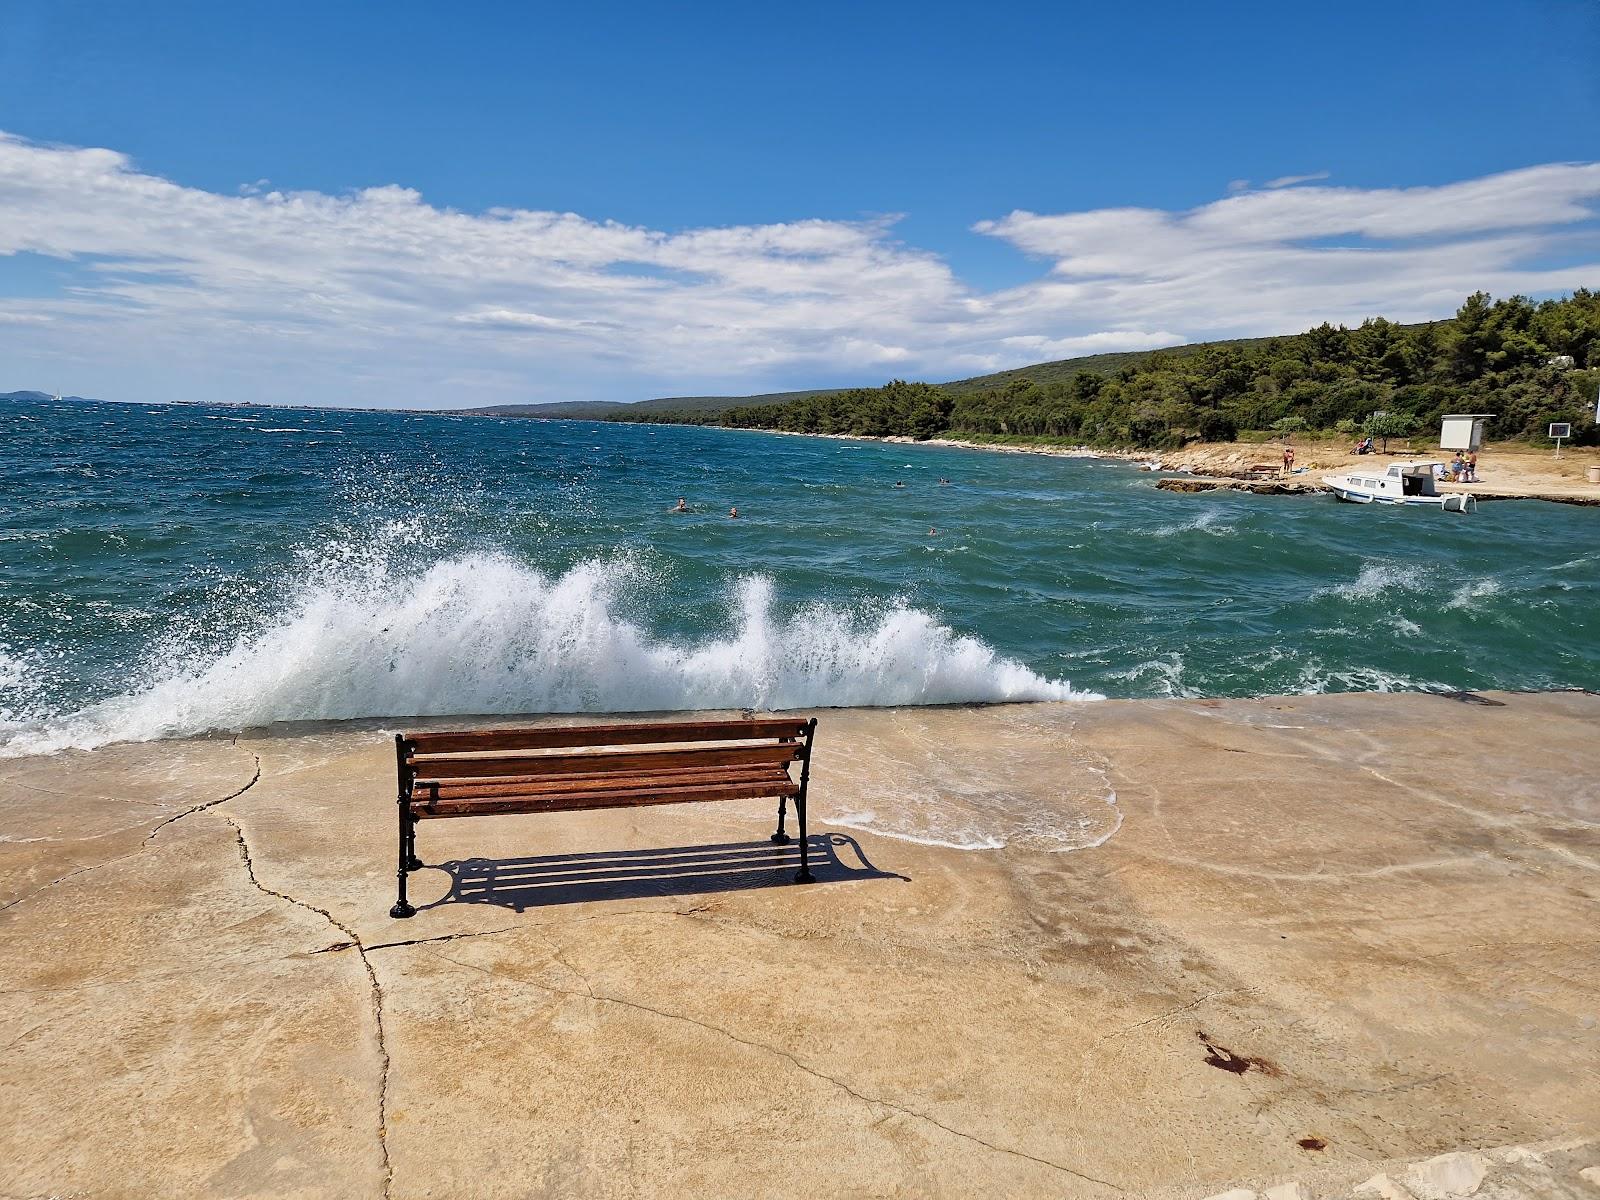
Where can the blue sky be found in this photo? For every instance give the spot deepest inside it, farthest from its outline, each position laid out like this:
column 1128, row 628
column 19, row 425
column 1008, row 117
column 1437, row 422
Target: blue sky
column 840, row 181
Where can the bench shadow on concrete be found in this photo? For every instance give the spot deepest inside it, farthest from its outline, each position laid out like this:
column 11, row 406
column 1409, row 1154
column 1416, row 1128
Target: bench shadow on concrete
column 538, row 882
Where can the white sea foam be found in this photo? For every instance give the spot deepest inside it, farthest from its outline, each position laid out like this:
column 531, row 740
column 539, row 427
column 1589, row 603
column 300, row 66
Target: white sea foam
column 1164, row 674
column 15, row 675
column 1316, row 678
column 483, row 633
column 940, row 794
column 1377, row 578
column 1581, row 560
column 1463, row 597
column 1207, row 520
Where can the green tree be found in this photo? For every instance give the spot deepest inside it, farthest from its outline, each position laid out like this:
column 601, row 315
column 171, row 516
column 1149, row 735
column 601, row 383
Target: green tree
column 1472, row 340
column 1289, row 424
column 1386, row 425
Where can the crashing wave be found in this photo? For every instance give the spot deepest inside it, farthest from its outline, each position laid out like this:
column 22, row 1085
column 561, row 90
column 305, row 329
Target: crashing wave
column 483, row 633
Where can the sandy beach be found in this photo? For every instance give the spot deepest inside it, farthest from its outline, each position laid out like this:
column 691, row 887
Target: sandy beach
column 1507, row 470
column 1311, row 942
column 1511, row 470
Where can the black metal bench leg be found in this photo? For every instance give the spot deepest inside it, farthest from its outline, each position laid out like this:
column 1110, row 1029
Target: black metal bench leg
column 413, row 863
column 804, row 875
column 401, row 907
column 781, row 837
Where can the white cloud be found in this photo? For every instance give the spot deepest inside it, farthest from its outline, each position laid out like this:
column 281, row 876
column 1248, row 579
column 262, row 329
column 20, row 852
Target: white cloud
column 1104, row 342
column 1283, row 181
column 1276, row 261
column 376, row 296
column 503, row 318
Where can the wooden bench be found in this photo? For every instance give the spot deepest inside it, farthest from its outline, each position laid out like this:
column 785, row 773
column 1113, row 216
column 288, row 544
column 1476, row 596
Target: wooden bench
column 566, row 769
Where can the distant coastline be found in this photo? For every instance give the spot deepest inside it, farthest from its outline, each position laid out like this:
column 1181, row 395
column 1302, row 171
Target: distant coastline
column 1515, row 471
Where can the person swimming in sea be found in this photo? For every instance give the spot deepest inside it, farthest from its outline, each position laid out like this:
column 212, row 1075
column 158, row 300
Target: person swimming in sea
column 733, row 513
column 681, row 507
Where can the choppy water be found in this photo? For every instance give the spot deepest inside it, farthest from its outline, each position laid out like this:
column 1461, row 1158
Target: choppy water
column 170, row 570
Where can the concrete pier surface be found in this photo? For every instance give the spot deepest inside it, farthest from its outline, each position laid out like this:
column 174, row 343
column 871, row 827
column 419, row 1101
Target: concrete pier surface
column 1309, row 946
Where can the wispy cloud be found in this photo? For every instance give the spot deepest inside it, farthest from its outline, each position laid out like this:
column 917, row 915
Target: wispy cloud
column 1283, row 181
column 377, row 296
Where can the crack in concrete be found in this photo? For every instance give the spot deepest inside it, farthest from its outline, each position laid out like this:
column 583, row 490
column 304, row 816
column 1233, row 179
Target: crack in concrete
column 190, row 811
column 1182, row 1008
column 372, row 979
column 522, row 927
column 78, row 796
column 590, row 994
column 22, row 1037
column 1393, row 1088
column 443, row 937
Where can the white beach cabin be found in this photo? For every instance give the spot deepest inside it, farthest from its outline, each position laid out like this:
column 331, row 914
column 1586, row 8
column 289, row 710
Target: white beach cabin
column 1462, row 431
column 1408, row 483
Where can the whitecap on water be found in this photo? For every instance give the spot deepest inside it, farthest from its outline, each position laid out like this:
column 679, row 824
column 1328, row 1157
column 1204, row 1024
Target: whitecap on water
column 1377, row 578
column 1209, row 520
column 1464, row 597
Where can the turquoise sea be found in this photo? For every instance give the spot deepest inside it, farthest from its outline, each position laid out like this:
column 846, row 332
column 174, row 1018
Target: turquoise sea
column 168, row 570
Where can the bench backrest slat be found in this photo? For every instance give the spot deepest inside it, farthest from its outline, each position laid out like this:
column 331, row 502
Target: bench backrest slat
column 553, row 737
column 446, row 789
column 632, row 798
column 591, row 761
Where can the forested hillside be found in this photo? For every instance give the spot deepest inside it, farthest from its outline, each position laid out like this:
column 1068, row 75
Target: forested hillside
column 1527, row 362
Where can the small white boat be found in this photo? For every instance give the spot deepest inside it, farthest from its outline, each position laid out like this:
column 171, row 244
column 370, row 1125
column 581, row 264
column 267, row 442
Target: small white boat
column 1410, row 483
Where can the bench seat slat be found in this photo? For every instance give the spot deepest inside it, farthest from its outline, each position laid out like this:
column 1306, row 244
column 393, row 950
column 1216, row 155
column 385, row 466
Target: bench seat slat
column 448, row 789
column 470, row 806
column 634, row 734
column 626, row 761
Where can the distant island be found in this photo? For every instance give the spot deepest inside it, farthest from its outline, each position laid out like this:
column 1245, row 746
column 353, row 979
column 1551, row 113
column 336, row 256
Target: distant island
column 1527, row 362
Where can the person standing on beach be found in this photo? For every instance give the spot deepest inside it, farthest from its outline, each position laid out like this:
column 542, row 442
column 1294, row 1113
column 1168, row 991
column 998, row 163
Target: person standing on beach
column 1472, row 466
column 1288, row 461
